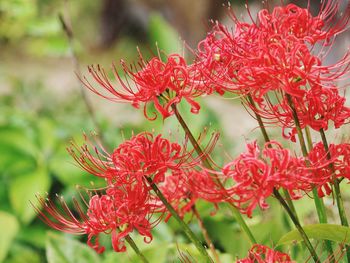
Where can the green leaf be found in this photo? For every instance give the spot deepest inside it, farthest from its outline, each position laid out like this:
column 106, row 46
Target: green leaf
column 61, row 249
column 336, row 233
column 8, row 229
column 226, row 235
column 70, row 174
column 154, row 254
column 35, row 235
column 164, row 34
column 22, row 190
column 17, row 139
column 20, row 253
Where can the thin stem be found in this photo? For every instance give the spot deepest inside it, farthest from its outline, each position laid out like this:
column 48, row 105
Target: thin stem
column 321, row 210
column 338, row 196
column 136, row 249
column 205, row 234
column 297, row 126
column 241, row 222
column 189, row 233
column 68, row 30
column 297, row 225
column 319, row 204
column 288, row 204
column 267, row 139
column 259, row 119
column 207, row 164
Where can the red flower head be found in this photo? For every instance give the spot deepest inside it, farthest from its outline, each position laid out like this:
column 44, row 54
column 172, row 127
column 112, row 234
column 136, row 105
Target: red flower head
column 275, row 56
column 255, row 176
column 143, row 155
column 147, row 155
column 127, row 202
column 329, row 166
column 163, row 84
column 118, row 211
column 263, row 254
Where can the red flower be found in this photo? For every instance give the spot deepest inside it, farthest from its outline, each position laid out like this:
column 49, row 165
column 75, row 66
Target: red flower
column 118, row 211
column 143, row 155
column 299, row 22
column 147, row 155
column 163, row 84
column 274, row 56
column 263, row 254
column 255, row 176
column 127, row 202
column 328, row 168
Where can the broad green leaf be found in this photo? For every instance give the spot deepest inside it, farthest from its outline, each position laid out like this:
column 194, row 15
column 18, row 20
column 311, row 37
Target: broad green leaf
column 21, row 253
column 35, row 234
column 18, row 139
column 46, row 138
column 22, row 190
column 164, row 34
column 62, row 249
column 157, row 253
column 227, row 235
column 336, row 233
column 14, row 161
column 70, row 174
column 8, row 229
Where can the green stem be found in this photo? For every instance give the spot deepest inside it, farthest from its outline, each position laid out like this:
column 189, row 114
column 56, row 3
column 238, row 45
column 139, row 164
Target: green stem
column 207, row 164
column 321, row 210
column 298, row 226
column 338, row 196
column 240, row 220
column 189, row 233
column 136, row 249
column 205, row 234
column 267, row 139
column 319, row 204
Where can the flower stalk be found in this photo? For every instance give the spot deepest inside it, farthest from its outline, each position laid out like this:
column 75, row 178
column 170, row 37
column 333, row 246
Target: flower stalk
column 205, row 234
column 267, row 139
column 298, row 226
column 132, row 244
column 320, row 208
column 207, row 164
column 337, row 192
column 189, row 233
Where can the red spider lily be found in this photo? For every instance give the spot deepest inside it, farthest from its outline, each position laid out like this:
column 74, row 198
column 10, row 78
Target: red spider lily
column 146, row 155
column 316, row 109
column 162, row 84
column 210, row 186
column 299, row 22
column 118, row 212
column 251, row 177
column 263, row 254
column 336, row 164
column 255, row 176
column 177, row 191
column 275, row 56
column 142, row 155
column 127, row 202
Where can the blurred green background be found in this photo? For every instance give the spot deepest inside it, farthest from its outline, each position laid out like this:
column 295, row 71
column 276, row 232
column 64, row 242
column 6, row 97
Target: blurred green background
column 42, row 108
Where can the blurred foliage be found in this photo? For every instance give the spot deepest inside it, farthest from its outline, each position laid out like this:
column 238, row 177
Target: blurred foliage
column 33, row 26
column 36, row 126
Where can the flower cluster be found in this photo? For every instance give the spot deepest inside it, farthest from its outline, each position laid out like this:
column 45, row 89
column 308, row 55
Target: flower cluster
column 275, row 57
column 335, row 164
column 263, row 254
column 256, row 175
column 163, row 84
column 276, row 64
column 127, row 202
